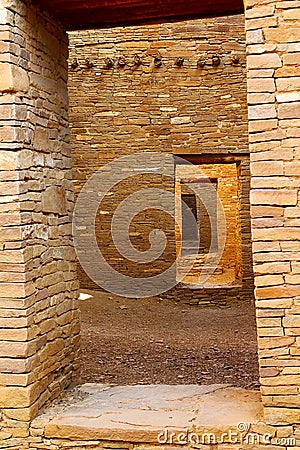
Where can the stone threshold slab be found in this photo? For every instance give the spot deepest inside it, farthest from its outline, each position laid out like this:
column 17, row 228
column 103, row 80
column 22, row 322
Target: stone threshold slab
column 141, row 413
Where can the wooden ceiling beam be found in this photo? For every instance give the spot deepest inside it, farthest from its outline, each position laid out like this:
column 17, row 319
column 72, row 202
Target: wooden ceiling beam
column 84, row 14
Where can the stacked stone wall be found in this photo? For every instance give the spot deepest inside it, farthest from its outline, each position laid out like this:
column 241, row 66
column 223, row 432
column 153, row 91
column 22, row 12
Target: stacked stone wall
column 198, row 108
column 39, row 322
column 273, row 37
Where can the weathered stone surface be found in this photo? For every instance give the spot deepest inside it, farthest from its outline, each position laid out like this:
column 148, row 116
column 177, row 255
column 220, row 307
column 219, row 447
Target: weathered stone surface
column 271, row 168
column 289, row 110
column 262, row 112
column 282, row 416
column 274, row 197
column 292, row 321
column 8, row 160
column 13, row 78
column 141, row 413
column 267, row 61
column 282, row 34
column 17, row 397
column 35, row 215
column 53, row 200
column 254, row 37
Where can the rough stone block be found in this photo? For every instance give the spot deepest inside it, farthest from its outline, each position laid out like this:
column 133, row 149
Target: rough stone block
column 262, row 112
column 254, row 37
column 282, row 416
column 13, row 78
column 261, row 85
column 265, row 61
column 291, row 321
column 283, row 33
column 266, row 168
column 8, row 160
column 53, row 200
column 274, row 197
column 289, row 110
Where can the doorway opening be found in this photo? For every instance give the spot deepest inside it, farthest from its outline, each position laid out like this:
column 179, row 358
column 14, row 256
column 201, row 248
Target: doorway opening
column 218, row 188
column 134, row 98
column 205, row 223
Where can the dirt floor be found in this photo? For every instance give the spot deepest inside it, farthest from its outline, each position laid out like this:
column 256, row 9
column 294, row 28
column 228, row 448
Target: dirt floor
column 148, row 341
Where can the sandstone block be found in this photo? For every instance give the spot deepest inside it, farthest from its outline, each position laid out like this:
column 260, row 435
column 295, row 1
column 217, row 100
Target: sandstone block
column 263, row 111
column 273, row 154
column 53, row 200
column 17, row 397
column 12, row 290
column 288, row 84
column 283, row 33
column 268, row 280
column 267, row 223
column 275, row 342
column 274, row 197
column 260, row 11
column 41, row 139
column 271, row 182
column 180, row 120
column 292, row 321
column 296, row 267
column 261, row 85
column 259, row 23
column 292, row 279
column 8, row 160
column 272, row 267
column 267, row 322
column 266, row 168
column 288, row 97
column 268, row 372
column 259, row 99
column 282, row 380
column 262, row 125
column 277, row 292
column 265, row 61
column 270, row 331
column 260, row 73
column 267, row 211
column 291, row 59
column 45, row 84
column 288, row 4
column 281, row 416
column 254, row 37
column 13, row 78
column 289, row 110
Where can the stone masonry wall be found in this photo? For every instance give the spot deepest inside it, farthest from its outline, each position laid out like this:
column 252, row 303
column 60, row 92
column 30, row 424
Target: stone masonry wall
column 39, row 322
column 126, row 104
column 273, row 38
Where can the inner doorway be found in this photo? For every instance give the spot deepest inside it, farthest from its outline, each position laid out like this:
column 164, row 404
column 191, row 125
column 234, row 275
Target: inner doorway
column 216, row 208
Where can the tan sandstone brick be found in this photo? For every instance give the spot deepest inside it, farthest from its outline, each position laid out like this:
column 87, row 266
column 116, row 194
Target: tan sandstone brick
column 263, row 111
column 273, row 197
column 13, row 78
column 265, row 61
column 283, row 33
column 289, row 110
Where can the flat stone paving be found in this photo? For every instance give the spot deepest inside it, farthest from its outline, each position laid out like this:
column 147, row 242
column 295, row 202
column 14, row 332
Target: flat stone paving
column 139, row 413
